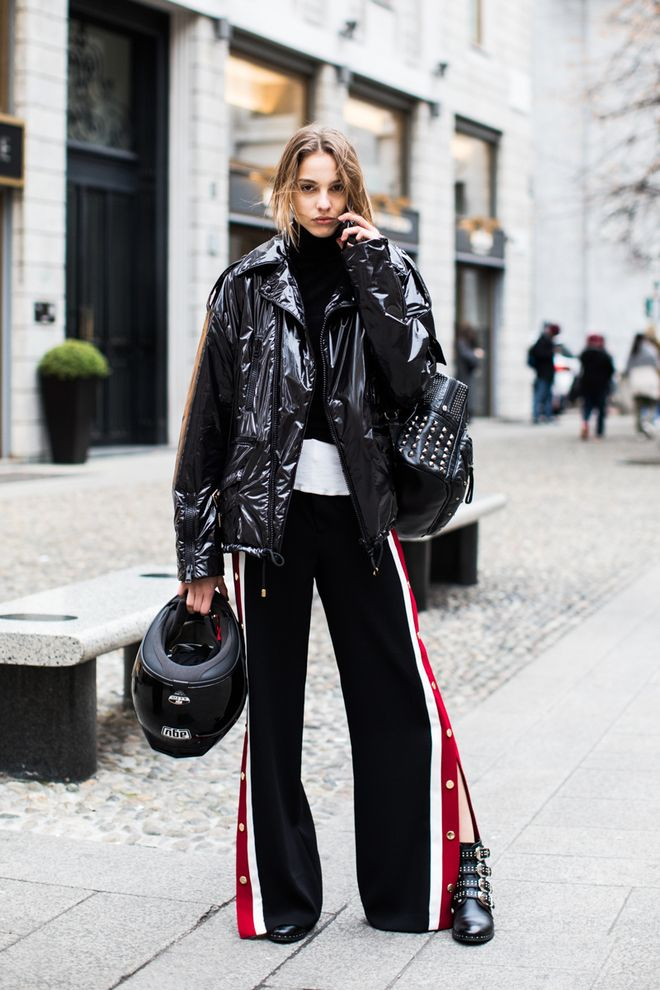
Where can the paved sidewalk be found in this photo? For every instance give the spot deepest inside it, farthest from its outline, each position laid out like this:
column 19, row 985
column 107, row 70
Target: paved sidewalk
column 563, row 761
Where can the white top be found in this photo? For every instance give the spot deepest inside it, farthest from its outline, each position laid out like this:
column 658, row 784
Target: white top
column 319, row 470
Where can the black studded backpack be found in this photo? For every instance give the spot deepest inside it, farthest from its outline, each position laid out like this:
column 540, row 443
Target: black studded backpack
column 433, row 459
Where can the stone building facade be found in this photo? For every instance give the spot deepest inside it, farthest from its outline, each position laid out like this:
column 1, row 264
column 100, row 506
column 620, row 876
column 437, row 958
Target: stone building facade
column 150, row 132
column 585, row 277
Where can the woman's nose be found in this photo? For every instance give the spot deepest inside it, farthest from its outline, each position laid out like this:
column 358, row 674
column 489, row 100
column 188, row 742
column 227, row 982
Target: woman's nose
column 323, row 202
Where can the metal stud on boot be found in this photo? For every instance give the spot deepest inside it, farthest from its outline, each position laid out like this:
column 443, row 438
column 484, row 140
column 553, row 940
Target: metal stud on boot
column 472, row 903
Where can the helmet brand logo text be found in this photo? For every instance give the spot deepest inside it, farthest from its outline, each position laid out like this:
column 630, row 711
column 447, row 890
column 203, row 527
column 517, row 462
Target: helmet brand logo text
column 179, row 698
column 171, row 733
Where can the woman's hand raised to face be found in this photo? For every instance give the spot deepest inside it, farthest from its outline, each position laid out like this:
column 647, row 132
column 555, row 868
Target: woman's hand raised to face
column 360, row 229
column 200, row 593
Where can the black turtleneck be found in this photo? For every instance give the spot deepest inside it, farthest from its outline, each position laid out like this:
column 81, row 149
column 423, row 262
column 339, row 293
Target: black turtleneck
column 318, row 268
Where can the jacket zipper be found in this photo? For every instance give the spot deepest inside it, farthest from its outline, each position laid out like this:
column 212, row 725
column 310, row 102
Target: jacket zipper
column 254, row 372
column 188, row 527
column 274, row 422
column 307, row 412
column 347, row 476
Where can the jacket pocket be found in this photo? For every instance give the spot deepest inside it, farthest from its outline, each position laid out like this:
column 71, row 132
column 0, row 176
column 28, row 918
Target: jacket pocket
column 239, row 454
column 231, row 479
column 254, row 374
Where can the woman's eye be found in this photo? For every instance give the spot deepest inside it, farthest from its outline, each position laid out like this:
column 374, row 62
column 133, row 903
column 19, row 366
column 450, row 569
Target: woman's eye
column 306, row 187
column 338, row 188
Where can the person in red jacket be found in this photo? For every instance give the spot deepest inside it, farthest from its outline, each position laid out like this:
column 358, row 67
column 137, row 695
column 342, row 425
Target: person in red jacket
column 285, row 461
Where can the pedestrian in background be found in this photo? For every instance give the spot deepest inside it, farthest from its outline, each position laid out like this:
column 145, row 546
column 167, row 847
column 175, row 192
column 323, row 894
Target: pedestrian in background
column 643, row 373
column 541, row 357
column 468, row 358
column 596, row 374
column 308, row 340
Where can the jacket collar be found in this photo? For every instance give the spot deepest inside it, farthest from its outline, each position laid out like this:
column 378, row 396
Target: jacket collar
column 272, row 252
column 279, row 286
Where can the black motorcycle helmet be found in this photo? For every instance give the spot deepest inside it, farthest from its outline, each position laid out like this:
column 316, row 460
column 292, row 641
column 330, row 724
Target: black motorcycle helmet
column 189, row 683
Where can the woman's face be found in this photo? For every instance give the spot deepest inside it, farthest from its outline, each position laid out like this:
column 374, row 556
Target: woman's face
column 319, row 196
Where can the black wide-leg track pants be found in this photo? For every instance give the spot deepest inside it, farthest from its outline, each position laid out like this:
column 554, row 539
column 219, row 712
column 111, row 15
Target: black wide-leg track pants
column 405, row 761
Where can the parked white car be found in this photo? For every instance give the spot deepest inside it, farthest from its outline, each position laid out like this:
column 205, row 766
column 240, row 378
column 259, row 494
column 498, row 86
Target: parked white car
column 567, row 368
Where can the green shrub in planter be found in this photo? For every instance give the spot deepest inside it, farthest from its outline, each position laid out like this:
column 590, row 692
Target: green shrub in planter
column 74, row 359
column 69, row 374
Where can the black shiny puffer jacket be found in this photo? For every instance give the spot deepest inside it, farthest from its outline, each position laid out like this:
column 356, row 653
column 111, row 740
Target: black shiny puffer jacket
column 252, row 386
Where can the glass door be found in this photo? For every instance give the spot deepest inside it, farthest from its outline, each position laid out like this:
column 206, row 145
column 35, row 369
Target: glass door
column 474, row 338
column 116, row 181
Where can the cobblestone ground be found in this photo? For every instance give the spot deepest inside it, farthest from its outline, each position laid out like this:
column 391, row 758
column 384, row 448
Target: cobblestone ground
column 582, row 519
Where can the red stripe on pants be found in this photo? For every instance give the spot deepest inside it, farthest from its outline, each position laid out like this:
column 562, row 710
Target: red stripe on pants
column 244, row 901
column 450, row 768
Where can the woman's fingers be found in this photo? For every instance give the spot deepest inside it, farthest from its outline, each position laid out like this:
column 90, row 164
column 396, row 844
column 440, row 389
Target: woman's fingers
column 360, row 222
column 195, row 602
column 202, row 600
column 355, row 234
column 354, row 218
column 361, row 229
column 199, row 593
column 350, row 232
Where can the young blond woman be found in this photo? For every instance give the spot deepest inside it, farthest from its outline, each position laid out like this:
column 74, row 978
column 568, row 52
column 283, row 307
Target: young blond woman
column 285, row 462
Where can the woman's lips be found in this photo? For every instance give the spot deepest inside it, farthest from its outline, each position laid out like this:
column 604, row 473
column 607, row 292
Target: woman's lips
column 325, row 220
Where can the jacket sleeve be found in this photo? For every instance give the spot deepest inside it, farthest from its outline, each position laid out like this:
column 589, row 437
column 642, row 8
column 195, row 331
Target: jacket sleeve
column 395, row 307
column 202, row 450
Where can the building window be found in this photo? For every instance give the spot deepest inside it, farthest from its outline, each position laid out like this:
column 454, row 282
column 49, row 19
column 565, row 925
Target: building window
column 266, row 105
column 474, row 174
column 243, row 239
column 378, row 134
column 100, row 87
column 476, row 22
column 476, row 290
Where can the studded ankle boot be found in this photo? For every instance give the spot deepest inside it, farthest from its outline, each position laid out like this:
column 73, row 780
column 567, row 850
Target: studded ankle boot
column 472, row 903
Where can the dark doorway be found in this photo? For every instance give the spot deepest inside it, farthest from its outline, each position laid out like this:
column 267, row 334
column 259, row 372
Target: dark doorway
column 475, row 319
column 116, row 210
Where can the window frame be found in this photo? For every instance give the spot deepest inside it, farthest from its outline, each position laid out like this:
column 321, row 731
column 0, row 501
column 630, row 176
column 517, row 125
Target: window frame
column 389, row 99
column 490, row 136
column 476, row 15
column 253, row 49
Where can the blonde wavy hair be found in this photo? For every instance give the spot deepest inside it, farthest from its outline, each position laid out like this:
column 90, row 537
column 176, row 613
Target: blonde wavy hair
column 306, row 141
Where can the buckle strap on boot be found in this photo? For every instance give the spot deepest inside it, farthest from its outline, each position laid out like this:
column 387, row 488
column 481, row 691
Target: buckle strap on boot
column 472, row 873
column 474, row 851
column 483, row 896
column 478, row 889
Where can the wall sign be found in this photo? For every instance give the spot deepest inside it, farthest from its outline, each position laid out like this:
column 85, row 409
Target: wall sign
column 402, row 226
column 12, row 151
column 480, row 240
column 44, row 312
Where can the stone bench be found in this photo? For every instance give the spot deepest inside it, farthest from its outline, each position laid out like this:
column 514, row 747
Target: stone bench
column 450, row 555
column 49, row 643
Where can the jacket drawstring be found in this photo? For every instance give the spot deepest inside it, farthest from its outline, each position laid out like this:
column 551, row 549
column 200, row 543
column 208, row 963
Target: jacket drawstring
column 275, row 558
column 376, row 556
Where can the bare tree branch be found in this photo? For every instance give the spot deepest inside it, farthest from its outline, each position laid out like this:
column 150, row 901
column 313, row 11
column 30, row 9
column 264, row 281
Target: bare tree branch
column 623, row 177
